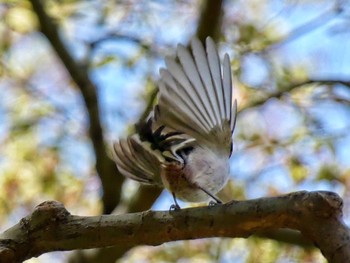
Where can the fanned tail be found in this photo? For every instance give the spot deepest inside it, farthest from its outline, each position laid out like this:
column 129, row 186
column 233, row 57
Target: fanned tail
column 196, row 95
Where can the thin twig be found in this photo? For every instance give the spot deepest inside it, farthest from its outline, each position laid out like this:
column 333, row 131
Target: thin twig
column 293, row 86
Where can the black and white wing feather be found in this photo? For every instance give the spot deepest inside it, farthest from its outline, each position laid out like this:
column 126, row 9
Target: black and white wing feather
column 196, row 96
column 136, row 160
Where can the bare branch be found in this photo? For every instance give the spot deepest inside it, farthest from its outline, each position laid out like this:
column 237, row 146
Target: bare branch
column 317, row 215
column 308, row 27
column 313, row 24
column 293, row 86
column 149, row 106
column 143, row 44
column 209, row 23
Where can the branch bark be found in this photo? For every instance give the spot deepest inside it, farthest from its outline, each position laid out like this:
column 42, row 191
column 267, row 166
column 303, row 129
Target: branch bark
column 209, row 23
column 317, row 215
column 110, row 178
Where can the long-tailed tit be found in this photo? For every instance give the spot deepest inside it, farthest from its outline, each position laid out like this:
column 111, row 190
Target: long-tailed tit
column 186, row 143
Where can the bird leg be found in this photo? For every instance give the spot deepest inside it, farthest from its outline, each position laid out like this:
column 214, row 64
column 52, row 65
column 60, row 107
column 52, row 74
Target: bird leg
column 211, row 203
column 175, row 206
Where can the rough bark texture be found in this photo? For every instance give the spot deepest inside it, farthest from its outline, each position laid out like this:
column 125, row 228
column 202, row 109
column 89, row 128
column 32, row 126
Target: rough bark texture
column 317, row 215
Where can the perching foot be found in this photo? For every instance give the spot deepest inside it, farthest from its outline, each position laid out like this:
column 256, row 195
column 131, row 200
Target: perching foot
column 174, row 207
column 214, row 203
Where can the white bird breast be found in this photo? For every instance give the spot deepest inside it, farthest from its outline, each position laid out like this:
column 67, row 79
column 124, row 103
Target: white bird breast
column 203, row 169
column 211, row 169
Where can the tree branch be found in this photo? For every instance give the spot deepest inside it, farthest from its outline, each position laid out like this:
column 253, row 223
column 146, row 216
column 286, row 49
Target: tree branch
column 289, row 88
column 50, row 227
column 209, row 23
column 110, row 178
column 313, row 24
column 308, row 27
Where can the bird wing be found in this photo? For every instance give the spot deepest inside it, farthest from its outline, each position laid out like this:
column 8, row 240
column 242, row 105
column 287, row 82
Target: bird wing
column 136, row 160
column 196, row 95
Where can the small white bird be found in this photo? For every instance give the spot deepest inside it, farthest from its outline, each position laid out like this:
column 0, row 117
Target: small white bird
column 186, row 143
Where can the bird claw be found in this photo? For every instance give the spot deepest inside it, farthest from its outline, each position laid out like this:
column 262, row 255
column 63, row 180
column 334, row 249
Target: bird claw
column 174, row 207
column 214, row 203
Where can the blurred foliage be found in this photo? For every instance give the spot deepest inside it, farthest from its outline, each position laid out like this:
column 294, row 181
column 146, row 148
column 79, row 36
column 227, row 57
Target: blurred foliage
column 288, row 137
column 251, row 250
